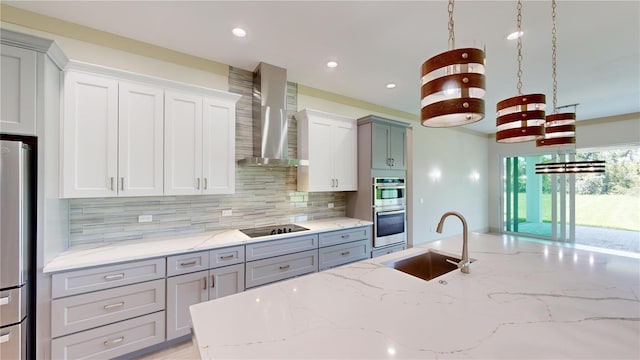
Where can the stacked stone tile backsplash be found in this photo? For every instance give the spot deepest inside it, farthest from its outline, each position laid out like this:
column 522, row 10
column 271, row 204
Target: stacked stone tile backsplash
column 264, row 196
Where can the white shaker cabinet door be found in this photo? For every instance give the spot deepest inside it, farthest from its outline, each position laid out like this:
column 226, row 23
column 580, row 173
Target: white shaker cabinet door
column 218, row 142
column 321, row 177
column 140, row 140
column 18, row 74
column 344, row 144
column 89, row 136
column 183, row 144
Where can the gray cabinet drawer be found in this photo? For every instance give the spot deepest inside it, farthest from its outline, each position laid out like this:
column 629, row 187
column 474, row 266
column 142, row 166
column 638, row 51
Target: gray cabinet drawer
column 13, row 342
column 13, row 305
column 343, row 254
column 265, row 271
column 187, row 263
column 226, row 256
column 273, row 248
column 387, row 250
column 112, row 340
column 81, row 312
column 343, row 236
column 105, row 277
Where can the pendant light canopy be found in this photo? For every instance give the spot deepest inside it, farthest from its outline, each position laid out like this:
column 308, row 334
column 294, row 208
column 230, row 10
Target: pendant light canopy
column 560, row 128
column 520, row 118
column 453, row 84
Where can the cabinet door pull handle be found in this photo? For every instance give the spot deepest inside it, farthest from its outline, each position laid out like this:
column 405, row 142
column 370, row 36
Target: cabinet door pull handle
column 113, row 306
column 345, row 236
column 5, row 337
column 205, row 284
column 345, row 253
column 337, row 183
column 225, row 257
column 111, row 183
column 122, row 184
column 213, row 281
column 198, row 183
column 5, row 300
column 188, row 264
column 114, row 341
column 205, row 183
column 284, row 267
column 114, row 276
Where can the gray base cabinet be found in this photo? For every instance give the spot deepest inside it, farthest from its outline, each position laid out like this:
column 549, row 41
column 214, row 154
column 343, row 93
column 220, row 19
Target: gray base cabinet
column 196, row 287
column 387, row 250
column 112, row 340
column 282, row 267
column 344, row 246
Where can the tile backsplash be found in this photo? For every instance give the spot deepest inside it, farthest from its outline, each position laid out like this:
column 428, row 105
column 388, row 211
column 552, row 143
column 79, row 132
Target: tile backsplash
column 263, row 196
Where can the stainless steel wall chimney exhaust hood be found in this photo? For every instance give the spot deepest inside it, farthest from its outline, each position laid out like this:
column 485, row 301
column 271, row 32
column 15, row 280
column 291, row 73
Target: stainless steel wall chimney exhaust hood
column 270, row 123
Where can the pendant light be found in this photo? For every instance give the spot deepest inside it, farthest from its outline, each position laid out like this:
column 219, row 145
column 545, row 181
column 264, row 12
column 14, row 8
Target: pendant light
column 560, row 128
column 520, row 118
column 452, row 85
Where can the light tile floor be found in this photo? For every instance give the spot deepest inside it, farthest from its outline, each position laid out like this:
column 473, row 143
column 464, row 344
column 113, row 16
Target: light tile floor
column 183, row 351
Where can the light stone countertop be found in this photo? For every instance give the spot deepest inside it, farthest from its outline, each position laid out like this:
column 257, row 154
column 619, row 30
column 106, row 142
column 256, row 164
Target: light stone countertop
column 129, row 250
column 522, row 299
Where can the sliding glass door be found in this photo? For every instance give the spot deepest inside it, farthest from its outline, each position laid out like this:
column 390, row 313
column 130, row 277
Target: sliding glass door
column 537, row 205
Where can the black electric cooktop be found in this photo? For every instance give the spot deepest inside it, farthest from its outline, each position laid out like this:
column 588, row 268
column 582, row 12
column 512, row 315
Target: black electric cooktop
column 272, row 230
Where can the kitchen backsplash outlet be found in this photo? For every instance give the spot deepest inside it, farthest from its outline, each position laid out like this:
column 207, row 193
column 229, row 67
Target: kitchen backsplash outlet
column 264, row 196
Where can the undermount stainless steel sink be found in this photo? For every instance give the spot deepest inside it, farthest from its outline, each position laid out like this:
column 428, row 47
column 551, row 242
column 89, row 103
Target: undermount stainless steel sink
column 427, row 265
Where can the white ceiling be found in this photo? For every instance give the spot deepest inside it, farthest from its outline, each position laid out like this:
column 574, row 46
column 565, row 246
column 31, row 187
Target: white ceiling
column 376, row 42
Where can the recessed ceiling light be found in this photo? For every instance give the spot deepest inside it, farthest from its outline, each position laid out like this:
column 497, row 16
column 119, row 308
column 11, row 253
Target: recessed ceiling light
column 239, row 32
column 332, row 64
column 390, row 85
column 514, row 35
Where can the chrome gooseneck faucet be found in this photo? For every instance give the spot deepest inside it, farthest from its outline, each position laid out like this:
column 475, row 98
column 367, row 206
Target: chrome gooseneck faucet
column 463, row 265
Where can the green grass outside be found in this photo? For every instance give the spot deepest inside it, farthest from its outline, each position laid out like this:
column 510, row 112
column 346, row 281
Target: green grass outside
column 605, row 211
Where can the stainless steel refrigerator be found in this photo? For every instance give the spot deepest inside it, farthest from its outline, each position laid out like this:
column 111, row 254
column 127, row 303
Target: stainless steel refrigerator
column 16, row 231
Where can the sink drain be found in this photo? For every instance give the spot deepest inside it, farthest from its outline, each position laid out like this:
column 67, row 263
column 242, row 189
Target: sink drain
column 443, row 282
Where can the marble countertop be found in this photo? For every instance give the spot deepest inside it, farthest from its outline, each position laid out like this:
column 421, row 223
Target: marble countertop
column 129, row 250
column 521, row 299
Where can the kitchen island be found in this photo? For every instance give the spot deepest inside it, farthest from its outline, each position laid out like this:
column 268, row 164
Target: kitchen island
column 522, row 299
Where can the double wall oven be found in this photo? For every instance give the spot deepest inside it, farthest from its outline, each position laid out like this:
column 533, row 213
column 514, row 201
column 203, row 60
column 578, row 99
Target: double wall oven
column 389, row 214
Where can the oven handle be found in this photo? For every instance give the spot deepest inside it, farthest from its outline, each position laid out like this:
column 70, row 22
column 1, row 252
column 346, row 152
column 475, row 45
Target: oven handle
column 389, row 186
column 390, row 212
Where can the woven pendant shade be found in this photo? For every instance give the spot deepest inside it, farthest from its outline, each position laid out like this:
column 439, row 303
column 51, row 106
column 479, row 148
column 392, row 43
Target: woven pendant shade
column 453, row 84
column 520, row 118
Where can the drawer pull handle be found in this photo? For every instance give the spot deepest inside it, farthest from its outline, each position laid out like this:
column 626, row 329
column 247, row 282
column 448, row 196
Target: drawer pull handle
column 346, row 253
column 225, row 257
column 113, row 306
column 5, row 300
column 285, row 267
column 345, row 236
column 5, row 337
column 188, row 264
column 114, row 276
column 114, row 341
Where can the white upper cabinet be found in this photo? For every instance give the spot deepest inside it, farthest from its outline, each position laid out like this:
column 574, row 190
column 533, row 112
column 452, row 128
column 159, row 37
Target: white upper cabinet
column 329, row 142
column 140, row 140
column 183, row 144
column 18, row 93
column 199, row 144
column 89, row 136
column 126, row 134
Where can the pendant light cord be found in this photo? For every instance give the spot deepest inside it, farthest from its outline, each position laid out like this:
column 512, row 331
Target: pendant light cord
column 452, row 37
column 554, row 47
column 519, row 25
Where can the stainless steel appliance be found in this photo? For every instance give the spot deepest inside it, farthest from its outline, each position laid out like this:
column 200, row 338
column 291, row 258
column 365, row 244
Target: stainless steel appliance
column 15, row 236
column 272, row 230
column 389, row 216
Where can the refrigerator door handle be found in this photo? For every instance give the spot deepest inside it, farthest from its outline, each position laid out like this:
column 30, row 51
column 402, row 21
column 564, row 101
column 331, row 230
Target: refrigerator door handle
column 5, row 337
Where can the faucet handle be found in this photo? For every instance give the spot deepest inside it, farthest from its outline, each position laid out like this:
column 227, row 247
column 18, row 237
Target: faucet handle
column 462, row 265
